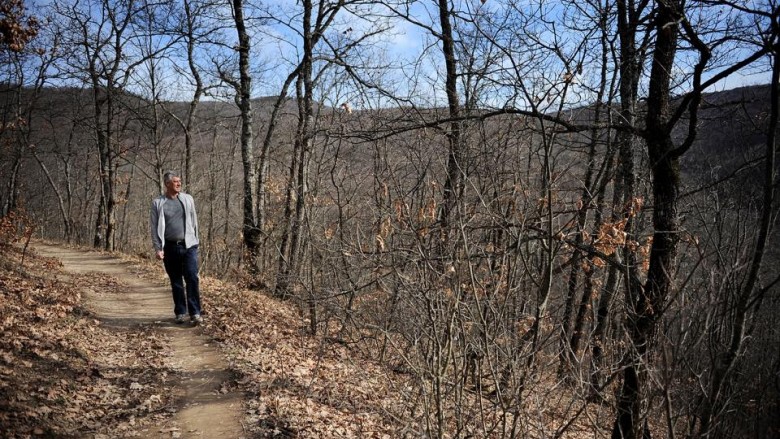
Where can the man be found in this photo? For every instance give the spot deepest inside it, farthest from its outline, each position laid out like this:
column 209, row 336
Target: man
column 174, row 228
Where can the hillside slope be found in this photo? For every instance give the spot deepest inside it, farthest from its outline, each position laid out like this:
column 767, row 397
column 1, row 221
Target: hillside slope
column 73, row 364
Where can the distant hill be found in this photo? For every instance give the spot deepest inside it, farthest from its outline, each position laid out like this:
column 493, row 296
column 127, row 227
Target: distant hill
column 731, row 132
column 731, row 125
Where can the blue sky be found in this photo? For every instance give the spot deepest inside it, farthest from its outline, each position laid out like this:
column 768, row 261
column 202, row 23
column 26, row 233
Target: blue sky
column 276, row 49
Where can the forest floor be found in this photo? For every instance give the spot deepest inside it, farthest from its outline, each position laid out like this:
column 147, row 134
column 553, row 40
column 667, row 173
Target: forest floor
column 89, row 348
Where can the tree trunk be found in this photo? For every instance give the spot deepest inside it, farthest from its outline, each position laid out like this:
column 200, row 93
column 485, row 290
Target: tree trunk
column 12, row 188
column 453, row 185
column 60, row 201
column 569, row 351
column 628, row 18
column 645, row 303
column 190, row 29
column 250, row 229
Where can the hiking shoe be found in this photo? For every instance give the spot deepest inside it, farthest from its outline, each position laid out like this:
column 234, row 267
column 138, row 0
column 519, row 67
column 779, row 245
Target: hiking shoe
column 180, row 319
column 196, row 319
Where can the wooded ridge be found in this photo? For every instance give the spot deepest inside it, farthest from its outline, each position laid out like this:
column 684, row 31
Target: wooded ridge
column 542, row 208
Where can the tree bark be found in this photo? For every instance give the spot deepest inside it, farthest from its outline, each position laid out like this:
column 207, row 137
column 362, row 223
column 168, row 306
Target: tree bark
column 196, row 94
column 243, row 96
column 296, row 184
column 453, row 184
column 645, row 303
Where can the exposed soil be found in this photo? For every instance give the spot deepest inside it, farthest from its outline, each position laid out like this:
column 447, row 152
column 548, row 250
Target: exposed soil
column 203, row 408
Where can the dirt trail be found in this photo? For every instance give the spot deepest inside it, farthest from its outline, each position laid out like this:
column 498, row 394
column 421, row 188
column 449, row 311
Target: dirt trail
column 204, row 411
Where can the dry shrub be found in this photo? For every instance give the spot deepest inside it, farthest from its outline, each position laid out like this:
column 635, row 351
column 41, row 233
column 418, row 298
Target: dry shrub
column 15, row 227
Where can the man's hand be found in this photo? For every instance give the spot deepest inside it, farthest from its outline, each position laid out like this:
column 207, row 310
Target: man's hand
column 160, row 254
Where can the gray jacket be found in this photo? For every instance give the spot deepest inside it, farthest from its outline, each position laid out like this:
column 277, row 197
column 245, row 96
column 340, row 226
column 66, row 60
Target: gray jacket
column 157, row 221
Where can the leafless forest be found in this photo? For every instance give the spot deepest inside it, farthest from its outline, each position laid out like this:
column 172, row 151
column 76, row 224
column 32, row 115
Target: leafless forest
column 547, row 218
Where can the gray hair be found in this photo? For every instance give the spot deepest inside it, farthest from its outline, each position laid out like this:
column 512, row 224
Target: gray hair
column 169, row 175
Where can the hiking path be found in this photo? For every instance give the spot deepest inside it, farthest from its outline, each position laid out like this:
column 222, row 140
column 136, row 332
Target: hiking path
column 203, row 409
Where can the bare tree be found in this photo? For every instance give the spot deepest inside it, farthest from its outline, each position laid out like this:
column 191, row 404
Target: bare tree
column 317, row 18
column 751, row 291
column 646, row 302
column 243, row 90
column 97, row 35
column 16, row 30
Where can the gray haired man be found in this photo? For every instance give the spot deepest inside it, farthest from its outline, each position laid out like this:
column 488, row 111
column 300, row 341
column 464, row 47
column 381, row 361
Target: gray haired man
column 174, row 228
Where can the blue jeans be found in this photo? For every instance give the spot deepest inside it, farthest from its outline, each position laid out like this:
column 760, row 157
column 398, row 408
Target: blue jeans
column 181, row 264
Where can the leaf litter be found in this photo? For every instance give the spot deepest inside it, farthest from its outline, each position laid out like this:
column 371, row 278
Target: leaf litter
column 62, row 372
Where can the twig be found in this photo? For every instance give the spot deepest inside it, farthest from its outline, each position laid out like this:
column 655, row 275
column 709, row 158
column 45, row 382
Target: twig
column 28, row 235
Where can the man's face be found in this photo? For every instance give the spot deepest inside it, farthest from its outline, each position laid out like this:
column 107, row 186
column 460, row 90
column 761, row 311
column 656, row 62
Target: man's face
column 173, row 185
